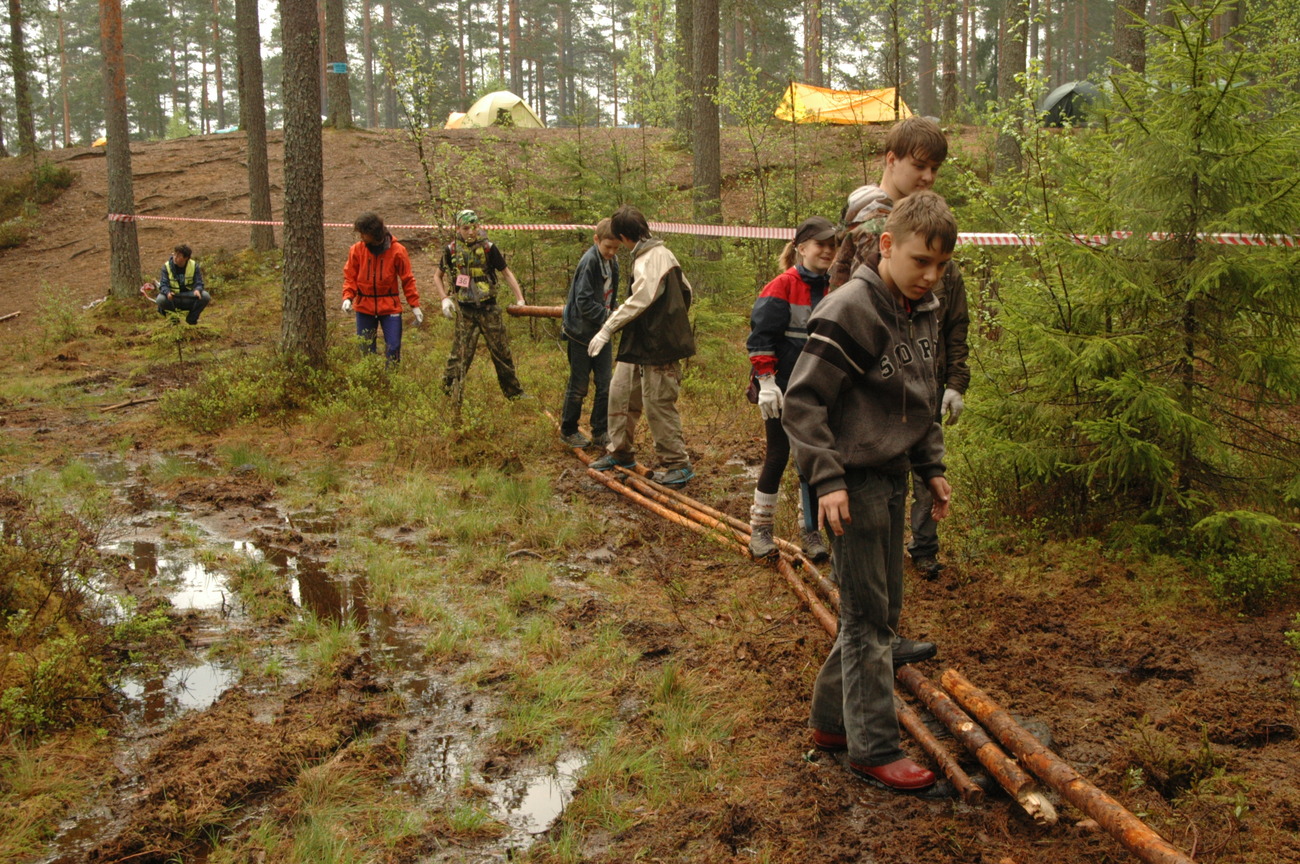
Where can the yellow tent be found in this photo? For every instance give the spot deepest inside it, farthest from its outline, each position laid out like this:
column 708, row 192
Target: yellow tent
column 494, row 108
column 803, row 103
column 454, row 119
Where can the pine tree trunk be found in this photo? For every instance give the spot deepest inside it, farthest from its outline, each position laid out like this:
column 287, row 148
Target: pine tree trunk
column 927, row 97
column 368, row 52
column 516, row 61
column 685, row 69
column 706, row 146
column 460, row 54
column 812, row 43
column 501, row 41
column 966, row 71
column 4, row 151
column 1011, row 62
column 123, row 245
column 22, row 93
column 562, row 45
column 63, row 80
column 302, row 327
column 216, row 63
column 1033, row 32
column 951, row 83
column 252, row 108
column 203, row 88
column 1130, row 38
column 336, row 51
column 390, row 92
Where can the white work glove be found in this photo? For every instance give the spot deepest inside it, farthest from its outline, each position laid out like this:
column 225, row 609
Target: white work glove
column 770, row 398
column 598, row 342
column 419, row 315
column 952, row 405
column 347, row 305
column 449, row 308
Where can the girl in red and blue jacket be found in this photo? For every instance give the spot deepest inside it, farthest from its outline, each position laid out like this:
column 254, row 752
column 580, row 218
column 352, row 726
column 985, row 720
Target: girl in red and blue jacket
column 777, row 333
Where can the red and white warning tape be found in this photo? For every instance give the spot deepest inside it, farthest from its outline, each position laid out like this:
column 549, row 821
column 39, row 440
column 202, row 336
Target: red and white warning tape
column 757, row 232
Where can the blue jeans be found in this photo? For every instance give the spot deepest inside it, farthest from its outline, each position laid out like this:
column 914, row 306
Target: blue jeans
column 854, row 692
column 368, row 327
column 582, row 367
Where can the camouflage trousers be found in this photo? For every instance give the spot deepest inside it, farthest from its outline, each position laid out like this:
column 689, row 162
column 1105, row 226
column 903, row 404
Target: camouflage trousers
column 471, row 320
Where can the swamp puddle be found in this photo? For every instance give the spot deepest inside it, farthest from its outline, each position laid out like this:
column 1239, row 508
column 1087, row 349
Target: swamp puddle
column 527, row 799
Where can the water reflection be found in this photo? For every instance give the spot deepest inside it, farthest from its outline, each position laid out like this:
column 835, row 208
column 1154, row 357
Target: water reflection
column 531, row 804
column 188, row 688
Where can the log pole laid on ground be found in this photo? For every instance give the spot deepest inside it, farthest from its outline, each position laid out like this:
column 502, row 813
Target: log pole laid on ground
column 1002, row 768
column 967, row 788
column 11, row 315
column 536, row 311
column 1131, row 832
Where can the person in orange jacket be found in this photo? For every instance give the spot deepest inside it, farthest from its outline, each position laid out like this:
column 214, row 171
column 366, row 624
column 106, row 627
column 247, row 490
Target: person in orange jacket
column 377, row 269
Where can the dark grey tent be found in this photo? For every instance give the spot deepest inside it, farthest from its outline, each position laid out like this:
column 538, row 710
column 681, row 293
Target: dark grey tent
column 1067, row 103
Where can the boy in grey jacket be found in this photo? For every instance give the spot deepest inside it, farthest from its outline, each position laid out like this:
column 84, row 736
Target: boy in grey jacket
column 591, row 298
column 861, row 413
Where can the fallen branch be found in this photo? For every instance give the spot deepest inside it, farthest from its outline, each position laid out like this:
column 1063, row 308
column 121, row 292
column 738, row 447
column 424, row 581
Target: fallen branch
column 1002, row 768
column 128, row 403
column 1131, row 832
column 11, row 315
column 970, row 792
column 536, row 311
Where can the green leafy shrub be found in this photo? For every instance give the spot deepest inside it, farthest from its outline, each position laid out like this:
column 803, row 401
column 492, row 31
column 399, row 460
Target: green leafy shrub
column 1250, row 580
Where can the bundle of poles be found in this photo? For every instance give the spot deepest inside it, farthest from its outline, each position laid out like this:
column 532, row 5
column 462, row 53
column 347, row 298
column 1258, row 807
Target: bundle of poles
column 968, row 712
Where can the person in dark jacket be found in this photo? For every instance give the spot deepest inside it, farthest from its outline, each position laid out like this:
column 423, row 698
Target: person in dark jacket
column 915, row 149
column 656, row 338
column 590, row 301
column 777, row 333
column 180, row 286
column 860, row 412
column 377, row 273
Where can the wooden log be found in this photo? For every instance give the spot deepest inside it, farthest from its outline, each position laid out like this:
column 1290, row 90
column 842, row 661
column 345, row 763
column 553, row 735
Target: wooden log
column 911, row 721
column 823, row 615
column 1131, row 832
column 128, row 403
column 536, row 311
column 11, row 315
column 663, row 511
column 1010, row 776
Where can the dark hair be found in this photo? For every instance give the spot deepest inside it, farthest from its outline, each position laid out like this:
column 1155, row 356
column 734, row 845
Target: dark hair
column 183, row 250
column 629, row 222
column 917, row 136
column 927, row 214
column 370, row 225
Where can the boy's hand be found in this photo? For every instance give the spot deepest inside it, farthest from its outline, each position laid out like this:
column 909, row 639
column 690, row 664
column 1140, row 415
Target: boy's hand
column 942, row 494
column 833, row 510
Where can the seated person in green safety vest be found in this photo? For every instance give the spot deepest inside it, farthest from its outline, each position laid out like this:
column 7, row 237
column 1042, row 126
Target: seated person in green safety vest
column 466, row 279
column 181, row 286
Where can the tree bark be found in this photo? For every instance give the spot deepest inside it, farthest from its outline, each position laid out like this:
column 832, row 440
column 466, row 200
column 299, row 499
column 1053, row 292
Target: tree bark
column 685, row 68
column 216, row 64
column 927, row 100
column 124, row 247
column 516, row 61
column 22, row 86
column 1011, row 88
column 706, row 145
column 302, row 327
column 1132, row 833
column 63, row 80
column 812, row 42
column 951, row 83
column 368, row 57
column 336, row 56
column 390, row 91
column 1130, row 34
column 252, row 107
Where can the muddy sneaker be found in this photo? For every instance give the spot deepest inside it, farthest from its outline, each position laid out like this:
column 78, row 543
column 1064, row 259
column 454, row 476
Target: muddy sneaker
column 927, row 567
column 601, row 440
column 576, row 439
column 815, row 547
column 675, row 478
column 910, row 651
column 761, row 544
column 610, row 461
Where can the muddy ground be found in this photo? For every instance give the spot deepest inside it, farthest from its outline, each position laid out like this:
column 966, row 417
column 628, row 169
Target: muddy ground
column 1181, row 709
